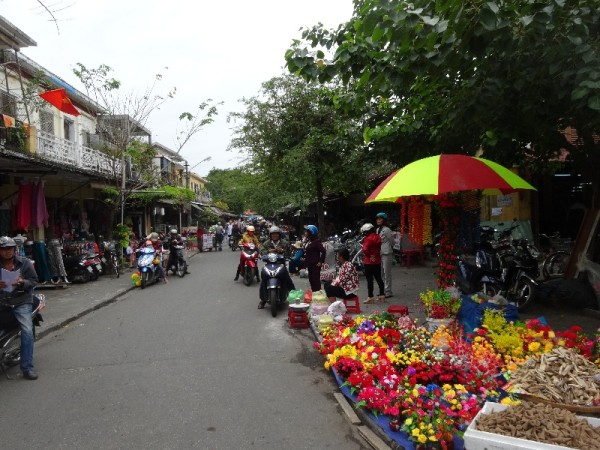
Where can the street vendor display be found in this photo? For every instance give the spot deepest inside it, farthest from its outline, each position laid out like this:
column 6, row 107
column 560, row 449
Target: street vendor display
column 425, row 387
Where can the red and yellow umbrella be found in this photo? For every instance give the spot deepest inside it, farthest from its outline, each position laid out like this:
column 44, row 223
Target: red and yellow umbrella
column 447, row 173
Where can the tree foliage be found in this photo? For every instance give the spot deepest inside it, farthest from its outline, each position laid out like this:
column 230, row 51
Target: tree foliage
column 453, row 76
column 299, row 144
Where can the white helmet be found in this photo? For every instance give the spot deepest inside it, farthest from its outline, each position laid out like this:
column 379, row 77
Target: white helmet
column 274, row 230
column 173, row 231
column 366, row 227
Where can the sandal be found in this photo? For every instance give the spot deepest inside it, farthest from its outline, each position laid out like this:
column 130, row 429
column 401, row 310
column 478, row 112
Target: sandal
column 261, row 305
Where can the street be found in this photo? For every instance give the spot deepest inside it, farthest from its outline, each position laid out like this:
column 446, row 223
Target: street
column 188, row 364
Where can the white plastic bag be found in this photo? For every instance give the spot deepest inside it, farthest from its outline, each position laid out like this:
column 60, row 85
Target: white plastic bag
column 336, row 310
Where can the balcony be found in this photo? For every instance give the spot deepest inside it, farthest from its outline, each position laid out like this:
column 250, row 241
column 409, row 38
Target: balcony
column 66, row 153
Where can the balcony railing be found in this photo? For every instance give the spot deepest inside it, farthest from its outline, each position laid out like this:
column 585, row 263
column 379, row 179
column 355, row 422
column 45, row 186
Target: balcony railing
column 67, row 153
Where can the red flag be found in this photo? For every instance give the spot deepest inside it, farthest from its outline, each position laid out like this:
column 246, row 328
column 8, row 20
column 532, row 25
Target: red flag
column 58, row 98
column 9, row 122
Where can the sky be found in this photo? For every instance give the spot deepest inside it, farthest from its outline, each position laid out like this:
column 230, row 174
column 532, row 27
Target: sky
column 221, row 50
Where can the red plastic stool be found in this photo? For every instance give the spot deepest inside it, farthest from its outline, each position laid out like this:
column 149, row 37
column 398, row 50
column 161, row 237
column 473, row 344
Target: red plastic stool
column 352, row 304
column 298, row 319
column 398, row 310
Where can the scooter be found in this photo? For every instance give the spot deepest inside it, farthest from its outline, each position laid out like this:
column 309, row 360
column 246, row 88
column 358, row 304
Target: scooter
column 248, row 263
column 234, row 242
column 177, row 262
column 276, row 292
column 78, row 268
column 10, row 333
column 148, row 262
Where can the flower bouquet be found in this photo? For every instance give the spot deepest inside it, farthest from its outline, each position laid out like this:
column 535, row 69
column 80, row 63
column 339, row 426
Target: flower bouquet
column 440, row 304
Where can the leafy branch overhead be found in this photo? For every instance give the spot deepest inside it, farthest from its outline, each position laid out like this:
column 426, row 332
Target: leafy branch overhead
column 452, row 76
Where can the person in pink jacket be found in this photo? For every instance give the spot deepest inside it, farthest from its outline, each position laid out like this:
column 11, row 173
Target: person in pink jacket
column 371, row 248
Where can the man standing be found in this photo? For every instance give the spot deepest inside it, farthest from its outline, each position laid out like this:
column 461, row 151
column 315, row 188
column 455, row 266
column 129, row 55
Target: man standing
column 18, row 296
column 387, row 243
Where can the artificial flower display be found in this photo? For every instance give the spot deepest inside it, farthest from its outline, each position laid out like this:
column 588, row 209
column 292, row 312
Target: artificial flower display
column 434, row 383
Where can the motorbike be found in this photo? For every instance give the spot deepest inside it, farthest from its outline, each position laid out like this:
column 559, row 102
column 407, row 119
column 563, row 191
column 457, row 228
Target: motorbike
column 248, row 263
column 503, row 267
column 93, row 260
column 78, row 269
column 177, row 262
column 276, row 292
column 148, row 262
column 10, row 333
column 234, row 242
column 110, row 259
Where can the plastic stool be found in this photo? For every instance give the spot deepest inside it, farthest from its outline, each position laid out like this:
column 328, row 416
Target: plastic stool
column 399, row 310
column 298, row 319
column 352, row 304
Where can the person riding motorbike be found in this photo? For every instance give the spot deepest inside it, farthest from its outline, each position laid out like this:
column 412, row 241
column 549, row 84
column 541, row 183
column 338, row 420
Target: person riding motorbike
column 153, row 239
column 275, row 245
column 173, row 239
column 247, row 238
column 19, row 298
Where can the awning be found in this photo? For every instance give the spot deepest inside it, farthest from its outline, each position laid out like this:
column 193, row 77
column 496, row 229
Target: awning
column 199, row 208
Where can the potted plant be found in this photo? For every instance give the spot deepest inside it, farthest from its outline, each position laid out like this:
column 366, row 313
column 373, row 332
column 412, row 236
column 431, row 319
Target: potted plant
column 440, row 306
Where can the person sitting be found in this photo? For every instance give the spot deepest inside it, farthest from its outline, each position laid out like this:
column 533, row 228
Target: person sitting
column 296, row 260
column 247, row 238
column 153, row 240
column 345, row 285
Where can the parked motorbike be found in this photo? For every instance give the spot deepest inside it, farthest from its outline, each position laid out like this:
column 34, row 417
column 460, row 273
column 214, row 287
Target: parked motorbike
column 276, row 292
column 93, row 260
column 110, row 259
column 249, row 263
column 78, row 269
column 148, row 262
column 500, row 267
column 177, row 262
column 10, row 333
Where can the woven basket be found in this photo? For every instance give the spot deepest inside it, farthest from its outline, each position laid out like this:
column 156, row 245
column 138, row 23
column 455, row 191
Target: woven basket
column 585, row 410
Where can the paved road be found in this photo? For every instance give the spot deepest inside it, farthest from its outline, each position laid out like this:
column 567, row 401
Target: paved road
column 191, row 364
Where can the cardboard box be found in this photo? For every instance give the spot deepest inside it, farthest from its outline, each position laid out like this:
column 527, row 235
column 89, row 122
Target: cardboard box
column 482, row 440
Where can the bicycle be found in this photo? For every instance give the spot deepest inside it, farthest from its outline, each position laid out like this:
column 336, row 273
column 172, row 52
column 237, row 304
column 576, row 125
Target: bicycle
column 557, row 254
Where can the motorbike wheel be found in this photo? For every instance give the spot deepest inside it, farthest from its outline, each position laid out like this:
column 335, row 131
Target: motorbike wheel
column 93, row 275
column 555, row 265
column 180, row 269
column 12, row 351
column 274, row 299
column 248, row 276
column 357, row 261
column 525, row 293
column 144, row 279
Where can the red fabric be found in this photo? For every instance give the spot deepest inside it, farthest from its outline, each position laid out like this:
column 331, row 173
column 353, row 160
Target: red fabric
column 24, row 206
column 372, row 249
column 59, row 99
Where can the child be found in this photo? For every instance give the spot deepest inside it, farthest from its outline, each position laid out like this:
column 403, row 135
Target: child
column 130, row 250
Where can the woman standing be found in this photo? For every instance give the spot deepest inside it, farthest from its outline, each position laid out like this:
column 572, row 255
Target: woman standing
column 372, row 260
column 386, row 252
column 314, row 256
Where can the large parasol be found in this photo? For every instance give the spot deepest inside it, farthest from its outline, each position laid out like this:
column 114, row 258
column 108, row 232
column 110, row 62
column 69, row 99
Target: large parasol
column 447, row 173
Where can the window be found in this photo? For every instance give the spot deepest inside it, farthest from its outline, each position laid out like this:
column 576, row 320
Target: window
column 47, row 121
column 8, row 104
column 69, row 130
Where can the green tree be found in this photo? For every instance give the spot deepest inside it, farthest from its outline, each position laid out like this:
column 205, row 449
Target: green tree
column 507, row 77
column 299, row 144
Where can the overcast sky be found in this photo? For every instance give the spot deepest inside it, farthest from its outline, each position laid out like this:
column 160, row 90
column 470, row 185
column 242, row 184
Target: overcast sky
column 215, row 49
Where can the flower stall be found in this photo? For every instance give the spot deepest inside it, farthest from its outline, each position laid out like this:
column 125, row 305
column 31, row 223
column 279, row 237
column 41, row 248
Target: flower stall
column 422, row 387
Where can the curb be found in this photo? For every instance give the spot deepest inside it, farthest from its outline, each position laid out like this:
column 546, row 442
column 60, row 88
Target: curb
column 83, row 312
column 120, row 293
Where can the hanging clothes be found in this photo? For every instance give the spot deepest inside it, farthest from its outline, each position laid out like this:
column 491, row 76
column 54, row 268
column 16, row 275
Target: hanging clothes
column 24, row 206
column 56, row 259
column 41, row 261
column 39, row 211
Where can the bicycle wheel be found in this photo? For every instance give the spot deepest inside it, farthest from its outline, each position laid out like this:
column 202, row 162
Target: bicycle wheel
column 555, row 265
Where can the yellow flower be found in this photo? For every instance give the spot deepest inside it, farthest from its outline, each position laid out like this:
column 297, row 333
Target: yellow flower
column 416, row 432
column 422, row 438
column 408, row 422
column 534, row 346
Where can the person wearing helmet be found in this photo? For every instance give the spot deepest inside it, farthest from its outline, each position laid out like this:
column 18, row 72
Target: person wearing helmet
column 173, row 239
column 153, row 240
column 371, row 248
column 219, row 236
column 275, row 244
column 314, row 256
column 19, row 297
column 387, row 253
column 247, row 238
